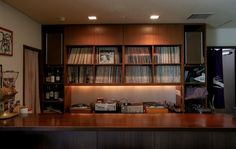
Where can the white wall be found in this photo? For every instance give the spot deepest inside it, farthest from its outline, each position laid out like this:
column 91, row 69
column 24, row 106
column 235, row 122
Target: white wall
column 25, row 32
column 225, row 37
column 221, row 36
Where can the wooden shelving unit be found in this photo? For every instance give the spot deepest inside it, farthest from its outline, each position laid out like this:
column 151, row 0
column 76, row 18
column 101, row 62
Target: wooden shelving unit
column 52, row 83
column 195, row 71
column 162, row 64
column 136, row 65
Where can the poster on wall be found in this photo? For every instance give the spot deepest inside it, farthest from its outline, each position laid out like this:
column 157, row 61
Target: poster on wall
column 0, row 76
column 6, row 42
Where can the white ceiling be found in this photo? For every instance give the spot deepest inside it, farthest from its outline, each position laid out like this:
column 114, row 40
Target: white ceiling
column 128, row 11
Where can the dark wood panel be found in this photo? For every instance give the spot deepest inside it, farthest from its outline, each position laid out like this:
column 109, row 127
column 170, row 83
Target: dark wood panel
column 138, row 34
column 125, row 140
column 79, row 35
column 54, row 48
column 167, row 34
column 49, row 140
column 67, row 97
column 52, row 44
column 108, row 34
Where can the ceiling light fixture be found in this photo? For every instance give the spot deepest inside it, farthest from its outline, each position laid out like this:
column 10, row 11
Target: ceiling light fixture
column 154, row 17
column 92, row 17
column 61, row 19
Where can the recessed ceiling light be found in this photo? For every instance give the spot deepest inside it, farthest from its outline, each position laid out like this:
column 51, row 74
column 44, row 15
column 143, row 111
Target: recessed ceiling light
column 92, row 17
column 154, row 17
column 61, row 19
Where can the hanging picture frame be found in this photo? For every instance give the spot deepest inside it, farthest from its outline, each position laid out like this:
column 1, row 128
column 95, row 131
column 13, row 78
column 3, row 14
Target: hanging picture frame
column 6, row 42
column 0, row 76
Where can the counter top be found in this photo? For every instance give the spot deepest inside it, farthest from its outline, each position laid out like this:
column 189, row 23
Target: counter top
column 119, row 121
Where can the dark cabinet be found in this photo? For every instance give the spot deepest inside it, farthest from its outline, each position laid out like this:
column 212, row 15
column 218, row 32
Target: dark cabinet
column 194, row 47
column 52, row 96
column 195, row 74
column 52, row 38
column 194, row 44
column 53, row 89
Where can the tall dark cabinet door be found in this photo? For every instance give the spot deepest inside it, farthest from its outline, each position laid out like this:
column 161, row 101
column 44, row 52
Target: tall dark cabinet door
column 54, row 48
column 52, row 83
column 194, row 48
column 53, row 44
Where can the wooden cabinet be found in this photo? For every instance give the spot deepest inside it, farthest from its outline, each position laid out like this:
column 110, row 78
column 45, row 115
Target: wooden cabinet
column 52, row 43
column 53, row 89
column 94, row 35
column 137, row 65
column 108, row 35
column 195, row 74
column 79, row 35
column 52, row 86
column 139, row 54
column 139, row 34
column 169, row 34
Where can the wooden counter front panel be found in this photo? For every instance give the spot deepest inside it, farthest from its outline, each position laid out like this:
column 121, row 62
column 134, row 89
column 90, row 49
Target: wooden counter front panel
column 111, row 139
column 120, row 131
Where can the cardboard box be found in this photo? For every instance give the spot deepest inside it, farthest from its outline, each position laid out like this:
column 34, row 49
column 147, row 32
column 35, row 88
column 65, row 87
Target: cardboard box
column 156, row 110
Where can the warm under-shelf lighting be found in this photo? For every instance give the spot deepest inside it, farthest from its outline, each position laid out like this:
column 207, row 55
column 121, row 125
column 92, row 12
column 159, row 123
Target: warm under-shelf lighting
column 154, row 17
column 92, row 17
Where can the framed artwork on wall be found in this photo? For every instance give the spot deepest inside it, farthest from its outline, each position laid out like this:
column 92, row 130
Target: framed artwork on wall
column 0, row 76
column 6, row 42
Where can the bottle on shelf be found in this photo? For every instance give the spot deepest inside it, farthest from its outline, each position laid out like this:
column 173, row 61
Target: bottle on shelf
column 58, row 76
column 47, row 93
column 56, row 92
column 52, row 76
column 48, row 78
column 51, row 93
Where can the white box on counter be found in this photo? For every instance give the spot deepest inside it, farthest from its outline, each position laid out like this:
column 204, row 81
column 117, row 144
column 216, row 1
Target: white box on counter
column 105, row 107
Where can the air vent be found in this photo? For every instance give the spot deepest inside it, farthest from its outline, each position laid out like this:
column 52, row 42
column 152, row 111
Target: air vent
column 199, row 16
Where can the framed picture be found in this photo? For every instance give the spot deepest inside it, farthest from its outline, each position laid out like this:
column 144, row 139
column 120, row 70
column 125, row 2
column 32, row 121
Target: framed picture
column 106, row 56
column 0, row 76
column 6, row 42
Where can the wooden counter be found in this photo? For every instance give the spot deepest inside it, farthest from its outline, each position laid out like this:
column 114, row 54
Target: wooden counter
column 124, row 121
column 122, row 131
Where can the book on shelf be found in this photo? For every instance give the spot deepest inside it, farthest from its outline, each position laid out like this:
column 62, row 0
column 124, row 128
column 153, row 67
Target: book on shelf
column 80, row 55
column 138, row 74
column 73, row 74
column 80, row 74
column 167, row 55
column 167, row 74
column 108, row 74
column 138, row 55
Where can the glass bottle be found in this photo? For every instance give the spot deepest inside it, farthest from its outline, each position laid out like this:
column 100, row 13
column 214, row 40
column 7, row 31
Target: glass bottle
column 47, row 93
column 51, row 93
column 52, row 76
column 56, row 92
column 58, row 76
